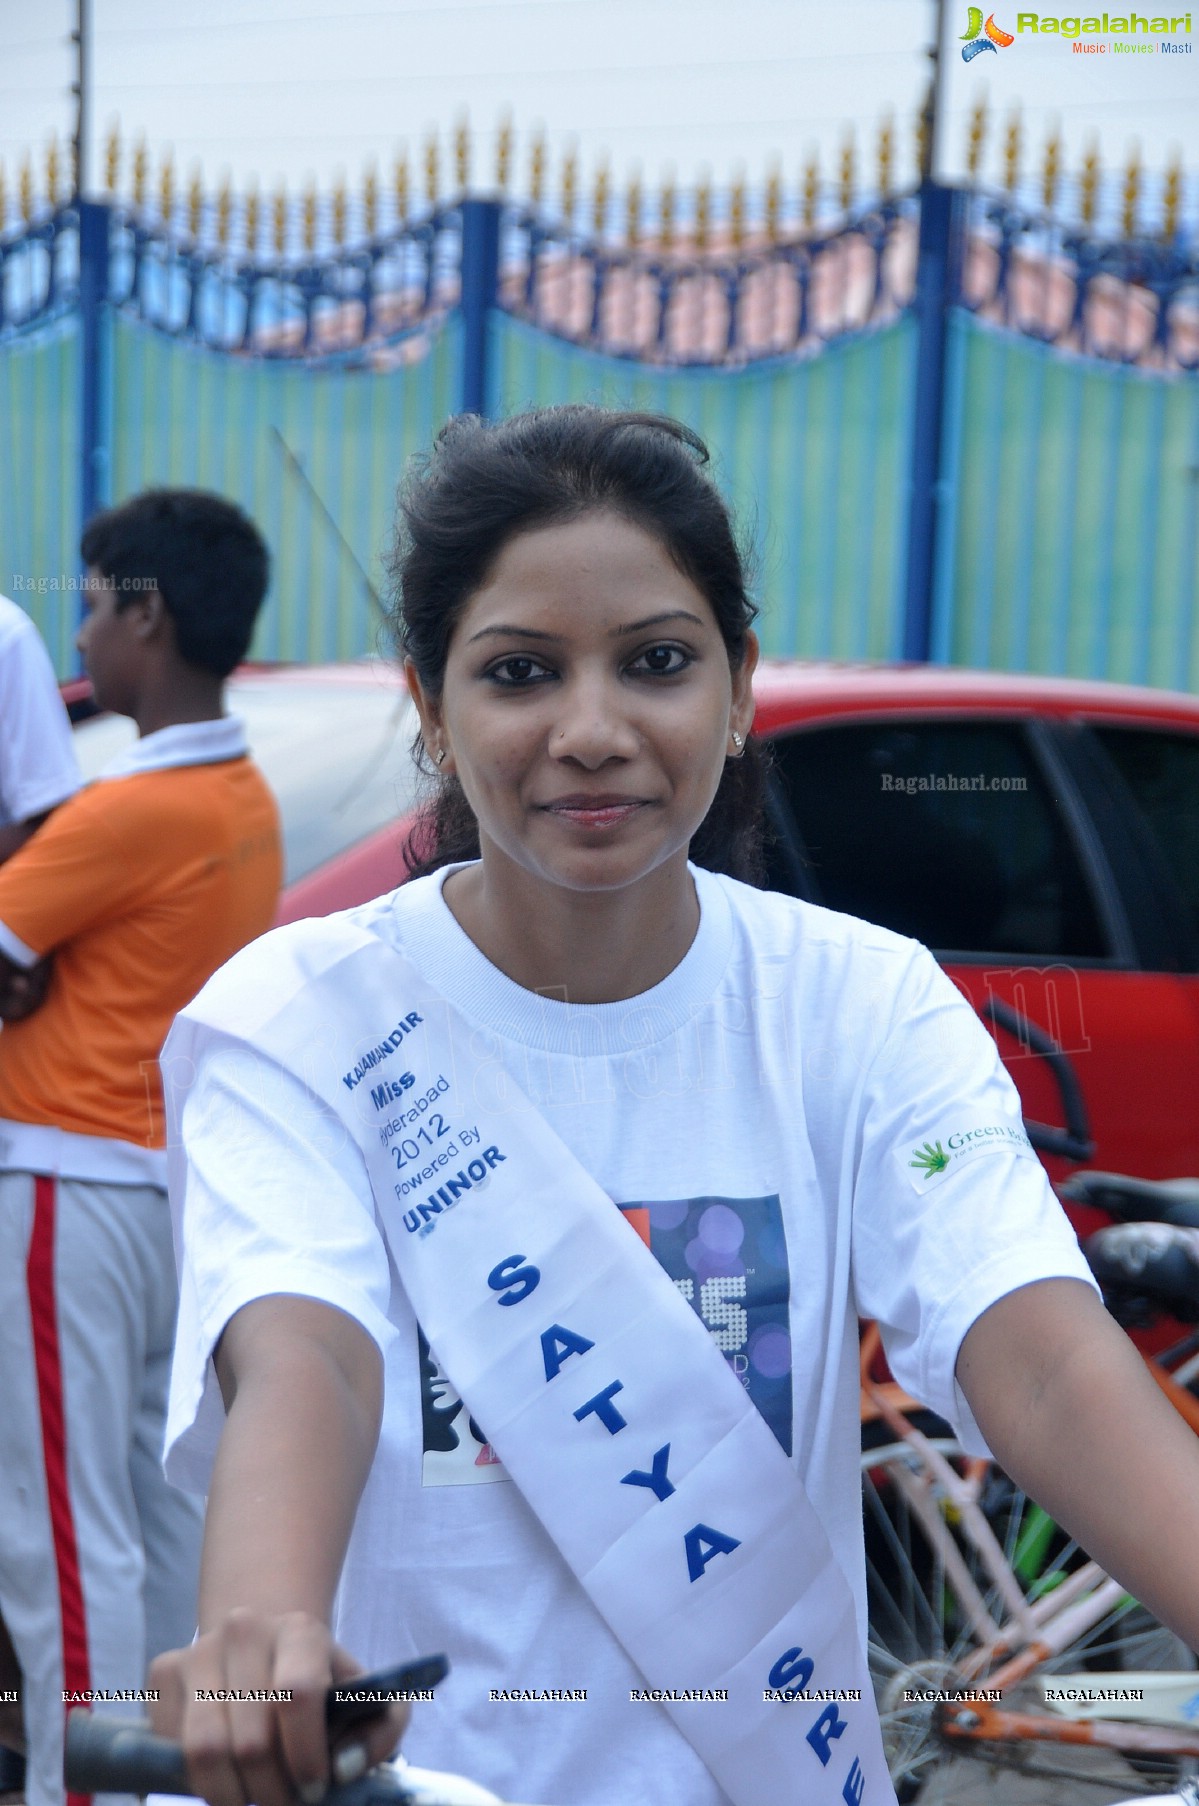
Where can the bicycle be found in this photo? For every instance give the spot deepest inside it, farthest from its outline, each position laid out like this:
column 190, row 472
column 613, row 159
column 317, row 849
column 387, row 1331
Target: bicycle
column 993, row 1622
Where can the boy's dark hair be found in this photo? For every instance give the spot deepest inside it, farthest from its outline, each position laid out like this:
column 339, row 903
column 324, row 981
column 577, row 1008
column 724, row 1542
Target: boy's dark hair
column 484, row 483
column 206, row 559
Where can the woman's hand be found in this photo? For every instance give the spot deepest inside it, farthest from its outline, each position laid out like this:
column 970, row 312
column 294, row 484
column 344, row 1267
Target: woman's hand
column 267, row 1751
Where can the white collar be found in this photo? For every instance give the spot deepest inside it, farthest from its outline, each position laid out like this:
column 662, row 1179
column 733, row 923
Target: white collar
column 188, row 743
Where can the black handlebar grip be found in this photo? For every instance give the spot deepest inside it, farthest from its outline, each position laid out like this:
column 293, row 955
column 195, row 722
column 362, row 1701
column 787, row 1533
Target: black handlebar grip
column 120, row 1755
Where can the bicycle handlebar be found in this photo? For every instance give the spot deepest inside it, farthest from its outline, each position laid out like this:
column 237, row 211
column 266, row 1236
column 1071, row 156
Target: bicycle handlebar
column 114, row 1755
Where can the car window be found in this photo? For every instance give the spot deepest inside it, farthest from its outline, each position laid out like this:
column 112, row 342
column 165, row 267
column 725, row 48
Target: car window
column 945, row 831
column 1161, row 769
column 335, row 753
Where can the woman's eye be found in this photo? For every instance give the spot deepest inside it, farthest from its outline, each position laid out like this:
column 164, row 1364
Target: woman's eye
column 516, row 671
column 661, row 661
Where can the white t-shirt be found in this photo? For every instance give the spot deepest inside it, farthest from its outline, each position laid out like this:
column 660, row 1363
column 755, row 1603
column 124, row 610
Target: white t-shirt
column 807, row 1123
column 38, row 769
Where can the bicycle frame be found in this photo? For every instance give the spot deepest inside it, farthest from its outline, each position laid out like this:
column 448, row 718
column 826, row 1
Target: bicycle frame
column 1034, row 1631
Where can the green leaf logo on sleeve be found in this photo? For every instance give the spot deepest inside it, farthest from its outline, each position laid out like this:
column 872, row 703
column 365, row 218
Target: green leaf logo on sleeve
column 931, row 1159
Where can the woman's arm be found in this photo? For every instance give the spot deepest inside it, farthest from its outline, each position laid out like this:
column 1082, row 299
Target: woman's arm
column 1067, row 1408
column 302, row 1384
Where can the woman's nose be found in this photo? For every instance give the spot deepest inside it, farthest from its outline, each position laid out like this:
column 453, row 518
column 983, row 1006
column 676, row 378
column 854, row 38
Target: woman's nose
column 593, row 725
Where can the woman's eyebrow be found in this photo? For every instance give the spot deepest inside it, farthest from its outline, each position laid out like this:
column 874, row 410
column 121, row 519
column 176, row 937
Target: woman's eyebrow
column 535, row 633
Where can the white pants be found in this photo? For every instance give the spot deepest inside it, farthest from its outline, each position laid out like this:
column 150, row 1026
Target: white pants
column 98, row 1555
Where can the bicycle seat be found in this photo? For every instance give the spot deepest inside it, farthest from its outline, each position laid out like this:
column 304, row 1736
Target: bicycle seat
column 1137, row 1200
column 1154, row 1262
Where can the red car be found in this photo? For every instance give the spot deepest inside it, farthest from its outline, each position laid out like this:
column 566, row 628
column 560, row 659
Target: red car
column 1040, row 835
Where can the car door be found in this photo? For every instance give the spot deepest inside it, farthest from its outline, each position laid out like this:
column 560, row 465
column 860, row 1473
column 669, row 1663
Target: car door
column 975, row 837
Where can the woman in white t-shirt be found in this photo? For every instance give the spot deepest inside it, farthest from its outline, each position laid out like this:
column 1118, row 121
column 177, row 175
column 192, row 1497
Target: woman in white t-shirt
column 750, row 1079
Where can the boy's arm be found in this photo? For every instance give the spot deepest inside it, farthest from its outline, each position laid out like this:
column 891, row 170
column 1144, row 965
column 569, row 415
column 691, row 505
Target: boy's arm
column 302, row 1384
column 94, row 856
column 1066, row 1406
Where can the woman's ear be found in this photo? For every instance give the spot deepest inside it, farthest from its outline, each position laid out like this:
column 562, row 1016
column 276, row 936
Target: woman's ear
column 428, row 707
column 741, row 715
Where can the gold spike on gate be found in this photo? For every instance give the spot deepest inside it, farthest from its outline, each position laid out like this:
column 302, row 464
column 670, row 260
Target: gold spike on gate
column 370, row 201
column 432, row 169
column 253, row 221
column 25, row 189
column 570, row 186
column 308, row 216
column 141, row 167
column 737, row 211
column 338, row 211
column 773, row 205
column 503, row 155
column 52, row 171
column 224, row 212
column 848, row 171
column 400, row 189
column 632, row 211
column 166, row 189
column 600, row 198
column 195, row 204
column 462, row 155
column 112, row 160
column 666, row 206
column 976, row 137
column 886, row 158
column 1051, row 173
column 537, row 170
column 1131, row 193
column 1011, row 152
column 1088, row 185
column 811, row 191
column 703, row 211
column 279, row 219
column 1171, row 199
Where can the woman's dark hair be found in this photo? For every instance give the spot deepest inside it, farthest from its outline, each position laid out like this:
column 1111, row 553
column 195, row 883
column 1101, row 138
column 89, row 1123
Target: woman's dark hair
column 206, row 559
column 485, row 482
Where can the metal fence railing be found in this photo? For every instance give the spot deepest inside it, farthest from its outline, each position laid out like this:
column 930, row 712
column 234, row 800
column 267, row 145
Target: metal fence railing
column 955, row 423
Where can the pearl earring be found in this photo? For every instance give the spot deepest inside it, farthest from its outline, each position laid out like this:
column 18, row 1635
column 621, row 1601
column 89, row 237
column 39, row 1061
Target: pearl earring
column 738, row 740
column 440, row 754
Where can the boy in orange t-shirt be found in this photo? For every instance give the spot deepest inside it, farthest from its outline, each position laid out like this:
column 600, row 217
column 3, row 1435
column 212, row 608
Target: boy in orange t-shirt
column 111, row 918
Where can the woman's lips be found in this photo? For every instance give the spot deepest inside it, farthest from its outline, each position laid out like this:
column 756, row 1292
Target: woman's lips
column 594, row 811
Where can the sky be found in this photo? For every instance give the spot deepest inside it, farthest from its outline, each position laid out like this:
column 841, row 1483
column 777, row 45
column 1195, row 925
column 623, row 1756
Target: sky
column 294, row 90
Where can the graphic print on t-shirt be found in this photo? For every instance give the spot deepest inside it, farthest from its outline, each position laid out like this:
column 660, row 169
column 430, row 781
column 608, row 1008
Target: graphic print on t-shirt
column 728, row 1257
column 456, row 1453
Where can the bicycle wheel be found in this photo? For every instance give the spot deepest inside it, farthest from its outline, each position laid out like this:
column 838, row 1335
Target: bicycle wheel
column 921, row 1630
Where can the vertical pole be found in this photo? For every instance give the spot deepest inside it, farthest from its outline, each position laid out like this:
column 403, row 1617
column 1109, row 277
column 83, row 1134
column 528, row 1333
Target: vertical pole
column 936, row 290
column 80, row 88
column 480, row 288
column 93, row 349
column 937, row 278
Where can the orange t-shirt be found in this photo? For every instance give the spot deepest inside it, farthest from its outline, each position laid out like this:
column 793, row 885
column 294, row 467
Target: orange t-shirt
column 140, row 886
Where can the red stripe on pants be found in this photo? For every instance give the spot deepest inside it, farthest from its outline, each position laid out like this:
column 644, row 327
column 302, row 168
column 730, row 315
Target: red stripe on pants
column 43, row 1314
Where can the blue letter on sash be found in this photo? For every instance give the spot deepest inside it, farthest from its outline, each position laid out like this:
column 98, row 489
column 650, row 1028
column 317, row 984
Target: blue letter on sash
column 830, row 1724
column 512, row 1273
column 702, row 1543
column 657, row 1482
column 855, row 1785
column 794, row 1670
column 557, row 1345
column 604, row 1409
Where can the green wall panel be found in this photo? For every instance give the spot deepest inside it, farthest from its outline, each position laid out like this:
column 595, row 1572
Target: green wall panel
column 810, row 452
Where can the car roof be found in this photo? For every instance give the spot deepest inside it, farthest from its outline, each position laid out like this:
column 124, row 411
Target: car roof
column 791, row 691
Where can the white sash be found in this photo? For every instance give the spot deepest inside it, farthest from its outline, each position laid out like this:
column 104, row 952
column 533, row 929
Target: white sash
column 598, row 1386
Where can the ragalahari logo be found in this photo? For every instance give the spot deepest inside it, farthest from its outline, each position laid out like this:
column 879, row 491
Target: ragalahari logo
column 979, row 37
column 931, row 1159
